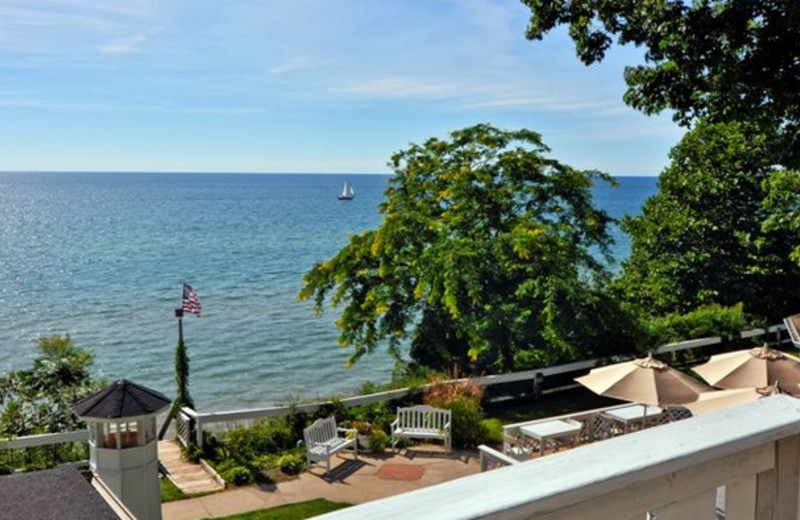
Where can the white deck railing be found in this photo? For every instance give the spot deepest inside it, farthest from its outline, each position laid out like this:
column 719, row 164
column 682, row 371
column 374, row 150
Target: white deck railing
column 45, row 439
column 742, row 462
column 219, row 422
column 595, row 426
column 490, row 458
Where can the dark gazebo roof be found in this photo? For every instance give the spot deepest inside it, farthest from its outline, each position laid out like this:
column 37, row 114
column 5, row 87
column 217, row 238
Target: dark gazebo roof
column 121, row 399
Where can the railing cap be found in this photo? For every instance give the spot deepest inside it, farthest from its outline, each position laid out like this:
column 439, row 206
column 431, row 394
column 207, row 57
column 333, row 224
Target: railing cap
column 558, row 480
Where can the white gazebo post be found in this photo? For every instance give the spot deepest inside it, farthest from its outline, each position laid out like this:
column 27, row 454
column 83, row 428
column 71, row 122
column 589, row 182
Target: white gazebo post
column 123, row 446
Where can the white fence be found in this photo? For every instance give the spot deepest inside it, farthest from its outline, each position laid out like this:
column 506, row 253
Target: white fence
column 191, row 422
column 46, row 439
column 219, row 422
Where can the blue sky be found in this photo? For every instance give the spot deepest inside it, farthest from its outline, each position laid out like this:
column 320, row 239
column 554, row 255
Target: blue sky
column 299, row 85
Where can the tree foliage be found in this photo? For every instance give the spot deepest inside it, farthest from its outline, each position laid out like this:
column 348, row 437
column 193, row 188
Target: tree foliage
column 182, row 397
column 718, row 231
column 782, row 204
column 483, row 260
column 722, row 60
column 40, row 399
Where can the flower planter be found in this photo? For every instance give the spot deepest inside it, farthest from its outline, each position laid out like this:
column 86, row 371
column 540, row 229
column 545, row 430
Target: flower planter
column 363, row 442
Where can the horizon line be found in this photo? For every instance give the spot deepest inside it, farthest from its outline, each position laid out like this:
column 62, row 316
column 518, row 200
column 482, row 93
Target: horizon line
column 229, row 172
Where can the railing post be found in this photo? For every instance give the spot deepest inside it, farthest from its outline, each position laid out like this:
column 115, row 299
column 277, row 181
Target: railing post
column 787, row 460
column 766, row 495
column 740, row 499
column 199, row 432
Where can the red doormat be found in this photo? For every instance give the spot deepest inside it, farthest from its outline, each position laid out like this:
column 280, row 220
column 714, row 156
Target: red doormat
column 400, row 472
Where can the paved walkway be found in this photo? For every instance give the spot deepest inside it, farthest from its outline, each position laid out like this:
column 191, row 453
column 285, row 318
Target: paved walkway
column 371, row 477
column 190, row 478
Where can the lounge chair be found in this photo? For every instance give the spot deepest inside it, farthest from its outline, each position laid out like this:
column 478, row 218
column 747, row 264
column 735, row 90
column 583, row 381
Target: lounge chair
column 793, row 327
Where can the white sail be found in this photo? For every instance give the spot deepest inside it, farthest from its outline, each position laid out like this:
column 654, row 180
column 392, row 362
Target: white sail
column 347, row 191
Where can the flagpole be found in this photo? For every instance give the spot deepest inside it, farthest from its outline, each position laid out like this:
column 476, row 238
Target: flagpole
column 179, row 315
column 174, row 409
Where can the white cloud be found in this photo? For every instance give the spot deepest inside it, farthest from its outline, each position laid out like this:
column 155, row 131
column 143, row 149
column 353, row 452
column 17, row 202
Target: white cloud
column 523, row 101
column 477, row 94
column 71, row 28
column 397, row 87
column 123, row 45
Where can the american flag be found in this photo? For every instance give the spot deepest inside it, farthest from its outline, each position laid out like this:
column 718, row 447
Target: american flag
column 191, row 305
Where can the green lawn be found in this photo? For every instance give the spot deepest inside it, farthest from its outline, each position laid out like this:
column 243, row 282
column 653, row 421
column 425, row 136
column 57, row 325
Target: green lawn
column 170, row 491
column 297, row 511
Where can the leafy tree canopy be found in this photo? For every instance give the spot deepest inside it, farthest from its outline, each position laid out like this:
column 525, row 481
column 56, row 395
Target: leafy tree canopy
column 719, row 230
column 40, row 399
column 718, row 59
column 782, row 205
column 482, row 261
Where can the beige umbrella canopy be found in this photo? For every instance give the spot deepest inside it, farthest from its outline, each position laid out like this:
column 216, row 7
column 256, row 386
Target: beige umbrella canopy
column 645, row 381
column 752, row 368
column 720, row 399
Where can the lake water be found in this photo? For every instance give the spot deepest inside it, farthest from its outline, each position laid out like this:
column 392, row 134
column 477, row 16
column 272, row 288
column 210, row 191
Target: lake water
column 102, row 257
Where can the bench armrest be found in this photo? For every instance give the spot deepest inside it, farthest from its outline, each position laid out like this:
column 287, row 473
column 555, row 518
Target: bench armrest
column 350, row 433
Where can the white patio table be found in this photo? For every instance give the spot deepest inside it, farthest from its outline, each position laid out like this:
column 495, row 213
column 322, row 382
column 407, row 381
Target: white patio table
column 552, row 431
column 632, row 415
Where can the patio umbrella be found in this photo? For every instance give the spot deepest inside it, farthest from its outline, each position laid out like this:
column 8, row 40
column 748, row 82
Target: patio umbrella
column 720, row 399
column 645, row 381
column 752, row 368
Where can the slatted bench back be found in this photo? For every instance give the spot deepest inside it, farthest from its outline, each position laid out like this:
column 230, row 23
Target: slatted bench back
column 423, row 417
column 322, row 431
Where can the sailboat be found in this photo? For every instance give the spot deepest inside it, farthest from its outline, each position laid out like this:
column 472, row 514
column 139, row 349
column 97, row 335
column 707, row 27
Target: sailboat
column 347, row 191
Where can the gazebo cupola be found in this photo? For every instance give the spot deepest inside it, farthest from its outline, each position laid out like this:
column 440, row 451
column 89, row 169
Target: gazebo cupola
column 123, row 446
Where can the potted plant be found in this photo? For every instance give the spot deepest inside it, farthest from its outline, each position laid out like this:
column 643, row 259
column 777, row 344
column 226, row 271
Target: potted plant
column 364, row 429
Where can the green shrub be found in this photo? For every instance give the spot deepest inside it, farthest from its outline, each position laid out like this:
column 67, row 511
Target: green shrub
column 296, row 422
column 270, row 436
column 378, row 440
column 375, row 415
column 468, row 430
column 463, row 399
column 493, row 429
column 706, row 321
column 335, row 408
column 237, row 475
column 291, row 463
column 193, row 453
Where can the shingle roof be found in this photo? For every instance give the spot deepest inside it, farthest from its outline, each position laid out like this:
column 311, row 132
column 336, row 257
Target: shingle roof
column 121, row 399
column 53, row 494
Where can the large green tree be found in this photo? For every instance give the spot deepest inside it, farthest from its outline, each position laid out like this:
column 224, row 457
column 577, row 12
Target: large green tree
column 783, row 206
column 718, row 231
column 483, row 261
column 40, row 399
column 721, row 60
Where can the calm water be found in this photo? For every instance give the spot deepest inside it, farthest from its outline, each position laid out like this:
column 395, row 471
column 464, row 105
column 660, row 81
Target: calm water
column 102, row 257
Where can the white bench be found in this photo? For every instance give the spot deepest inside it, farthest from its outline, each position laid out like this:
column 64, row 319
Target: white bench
column 323, row 440
column 422, row 422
